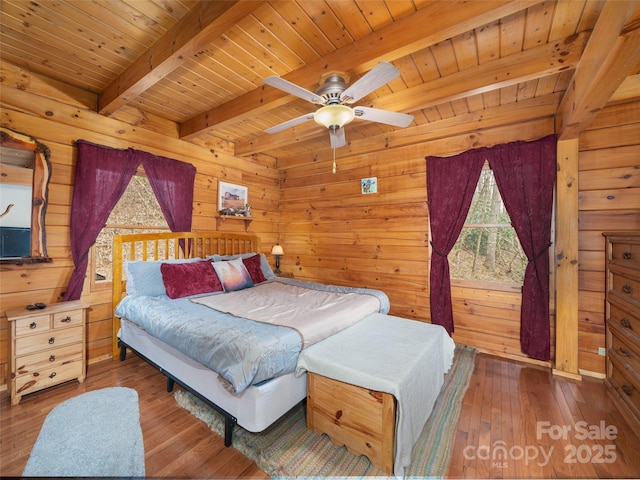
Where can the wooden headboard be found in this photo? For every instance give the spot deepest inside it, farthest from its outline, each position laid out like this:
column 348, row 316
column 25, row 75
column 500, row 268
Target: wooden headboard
column 149, row 247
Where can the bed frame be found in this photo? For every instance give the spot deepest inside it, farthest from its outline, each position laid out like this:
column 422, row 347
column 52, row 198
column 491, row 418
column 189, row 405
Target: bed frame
column 150, row 247
column 256, row 407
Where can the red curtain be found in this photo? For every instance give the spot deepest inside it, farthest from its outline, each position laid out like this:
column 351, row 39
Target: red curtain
column 525, row 173
column 451, row 183
column 102, row 176
column 172, row 182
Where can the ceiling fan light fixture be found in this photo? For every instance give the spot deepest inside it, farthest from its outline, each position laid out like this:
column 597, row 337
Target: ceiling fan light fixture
column 335, row 116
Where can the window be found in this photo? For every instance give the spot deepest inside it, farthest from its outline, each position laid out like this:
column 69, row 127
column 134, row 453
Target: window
column 488, row 249
column 136, row 212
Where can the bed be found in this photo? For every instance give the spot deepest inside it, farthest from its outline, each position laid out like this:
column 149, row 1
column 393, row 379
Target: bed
column 235, row 346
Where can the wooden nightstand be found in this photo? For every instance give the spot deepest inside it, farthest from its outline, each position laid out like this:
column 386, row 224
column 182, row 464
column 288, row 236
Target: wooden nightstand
column 284, row 275
column 47, row 347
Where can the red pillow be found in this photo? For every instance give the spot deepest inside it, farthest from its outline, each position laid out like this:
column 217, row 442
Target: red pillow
column 253, row 266
column 184, row 279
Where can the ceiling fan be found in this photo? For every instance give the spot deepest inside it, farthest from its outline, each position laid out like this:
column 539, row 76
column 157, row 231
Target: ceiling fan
column 335, row 98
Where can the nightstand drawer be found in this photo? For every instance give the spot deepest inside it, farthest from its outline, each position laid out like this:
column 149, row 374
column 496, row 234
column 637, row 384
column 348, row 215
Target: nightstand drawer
column 66, row 319
column 32, row 324
column 49, row 339
column 48, row 358
column 47, row 377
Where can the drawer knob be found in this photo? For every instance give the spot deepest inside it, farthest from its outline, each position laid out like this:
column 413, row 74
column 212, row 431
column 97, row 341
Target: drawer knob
column 627, row 288
column 627, row 389
column 624, row 353
column 625, row 323
column 52, row 340
column 626, row 255
column 53, row 374
column 33, row 325
column 66, row 319
column 52, row 358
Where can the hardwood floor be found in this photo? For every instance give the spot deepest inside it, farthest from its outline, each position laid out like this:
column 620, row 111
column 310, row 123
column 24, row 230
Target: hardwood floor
column 510, row 405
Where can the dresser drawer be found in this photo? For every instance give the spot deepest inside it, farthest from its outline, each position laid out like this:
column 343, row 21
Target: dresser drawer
column 49, row 339
column 363, row 420
column 626, row 383
column 47, row 377
column 626, row 287
column 624, row 348
column 625, row 319
column 66, row 319
column 49, row 358
column 32, row 324
column 626, row 251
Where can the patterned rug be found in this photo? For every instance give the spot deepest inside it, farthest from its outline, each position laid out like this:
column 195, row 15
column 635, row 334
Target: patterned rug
column 287, row 448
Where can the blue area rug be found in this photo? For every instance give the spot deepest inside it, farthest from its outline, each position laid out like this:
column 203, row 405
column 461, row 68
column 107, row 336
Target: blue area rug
column 96, row 434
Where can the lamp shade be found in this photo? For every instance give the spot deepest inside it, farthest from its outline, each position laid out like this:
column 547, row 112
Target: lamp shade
column 334, row 115
column 277, row 250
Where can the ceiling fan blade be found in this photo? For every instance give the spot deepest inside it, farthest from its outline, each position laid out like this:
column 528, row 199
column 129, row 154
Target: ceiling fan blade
column 383, row 116
column 376, row 77
column 290, row 123
column 337, row 138
column 293, row 89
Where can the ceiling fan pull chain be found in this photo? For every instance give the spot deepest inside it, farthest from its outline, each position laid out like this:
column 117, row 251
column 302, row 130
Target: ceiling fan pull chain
column 334, row 160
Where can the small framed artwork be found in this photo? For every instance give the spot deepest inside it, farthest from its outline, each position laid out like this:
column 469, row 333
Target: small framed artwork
column 369, row 185
column 233, row 199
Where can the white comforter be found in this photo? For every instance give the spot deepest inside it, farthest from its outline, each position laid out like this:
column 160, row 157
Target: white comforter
column 314, row 314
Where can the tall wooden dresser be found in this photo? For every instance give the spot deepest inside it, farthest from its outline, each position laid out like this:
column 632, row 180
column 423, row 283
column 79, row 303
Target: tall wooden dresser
column 623, row 318
column 47, row 347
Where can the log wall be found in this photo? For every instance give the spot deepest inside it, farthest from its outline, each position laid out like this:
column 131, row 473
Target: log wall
column 57, row 115
column 609, row 200
column 330, row 231
column 333, row 233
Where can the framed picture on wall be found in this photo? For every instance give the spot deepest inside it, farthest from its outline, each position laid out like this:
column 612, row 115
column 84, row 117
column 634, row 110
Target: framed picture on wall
column 369, row 185
column 232, row 199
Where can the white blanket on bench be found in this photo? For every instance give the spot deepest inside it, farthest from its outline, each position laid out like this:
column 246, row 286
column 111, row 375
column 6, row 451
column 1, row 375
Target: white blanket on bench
column 406, row 358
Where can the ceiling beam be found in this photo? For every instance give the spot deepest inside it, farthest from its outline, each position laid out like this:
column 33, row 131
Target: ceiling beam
column 192, row 33
column 434, row 23
column 629, row 89
column 534, row 63
column 609, row 57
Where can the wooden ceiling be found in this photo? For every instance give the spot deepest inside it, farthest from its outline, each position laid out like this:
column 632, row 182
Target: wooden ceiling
column 199, row 66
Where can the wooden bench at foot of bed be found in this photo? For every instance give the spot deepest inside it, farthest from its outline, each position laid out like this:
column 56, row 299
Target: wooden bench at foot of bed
column 355, row 377
column 361, row 419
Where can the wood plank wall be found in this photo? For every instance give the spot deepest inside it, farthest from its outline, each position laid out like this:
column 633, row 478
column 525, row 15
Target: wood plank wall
column 609, row 200
column 57, row 115
column 333, row 233
column 330, row 232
